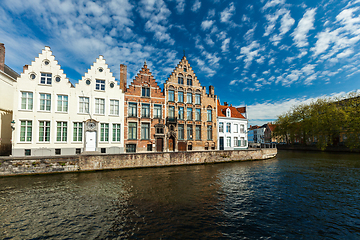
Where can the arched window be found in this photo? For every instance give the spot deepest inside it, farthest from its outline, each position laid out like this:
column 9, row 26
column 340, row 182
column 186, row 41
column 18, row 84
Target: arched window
column 228, row 112
column 180, row 79
column 189, row 81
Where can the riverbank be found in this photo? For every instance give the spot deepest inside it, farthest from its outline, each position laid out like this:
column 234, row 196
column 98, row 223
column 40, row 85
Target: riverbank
column 11, row 166
column 314, row 148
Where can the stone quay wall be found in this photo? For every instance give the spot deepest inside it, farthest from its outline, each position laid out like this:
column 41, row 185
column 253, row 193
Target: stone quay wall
column 11, row 166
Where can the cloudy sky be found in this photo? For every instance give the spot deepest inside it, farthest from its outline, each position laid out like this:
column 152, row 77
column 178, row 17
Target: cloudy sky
column 266, row 54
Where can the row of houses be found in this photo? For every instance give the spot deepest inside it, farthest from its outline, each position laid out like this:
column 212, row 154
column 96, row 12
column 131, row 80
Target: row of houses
column 44, row 114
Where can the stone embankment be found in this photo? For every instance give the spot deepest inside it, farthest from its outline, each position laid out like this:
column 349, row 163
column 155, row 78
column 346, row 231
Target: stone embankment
column 10, row 166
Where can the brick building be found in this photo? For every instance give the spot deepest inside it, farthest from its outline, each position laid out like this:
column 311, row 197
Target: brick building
column 191, row 112
column 144, row 112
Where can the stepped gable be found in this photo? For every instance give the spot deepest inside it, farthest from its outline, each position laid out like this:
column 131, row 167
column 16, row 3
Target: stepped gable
column 144, row 78
column 179, row 69
column 46, row 63
column 99, row 70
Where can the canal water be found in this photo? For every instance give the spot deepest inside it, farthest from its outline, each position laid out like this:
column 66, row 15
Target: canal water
column 298, row 195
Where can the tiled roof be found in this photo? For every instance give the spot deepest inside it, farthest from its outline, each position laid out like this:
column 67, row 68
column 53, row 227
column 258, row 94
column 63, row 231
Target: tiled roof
column 235, row 112
column 271, row 127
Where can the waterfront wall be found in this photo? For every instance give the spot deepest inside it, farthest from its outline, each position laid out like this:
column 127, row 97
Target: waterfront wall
column 10, row 166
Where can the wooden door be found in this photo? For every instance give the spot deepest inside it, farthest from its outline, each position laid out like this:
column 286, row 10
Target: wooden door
column 171, row 144
column 159, row 144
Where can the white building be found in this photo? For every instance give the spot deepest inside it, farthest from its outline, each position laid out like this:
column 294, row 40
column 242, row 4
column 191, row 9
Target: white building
column 52, row 117
column 256, row 134
column 7, row 81
column 232, row 125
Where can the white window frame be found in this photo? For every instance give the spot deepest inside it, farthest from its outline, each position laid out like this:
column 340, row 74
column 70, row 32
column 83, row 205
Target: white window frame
column 197, row 98
column 236, row 128
column 114, row 107
column 45, row 78
column 78, row 130
column 84, row 104
column 189, row 98
column 47, row 101
column 221, row 127
column 63, row 127
column 228, row 141
column 145, row 131
column 29, row 100
column 157, row 111
column 228, row 127
column 62, row 103
column 47, row 129
column 104, row 135
column 132, row 109
column 100, row 106
column 27, row 130
column 116, row 132
column 100, row 85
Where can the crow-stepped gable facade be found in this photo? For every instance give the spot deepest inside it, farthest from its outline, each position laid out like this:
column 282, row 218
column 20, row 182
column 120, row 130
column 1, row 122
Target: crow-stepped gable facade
column 54, row 117
column 144, row 112
column 191, row 112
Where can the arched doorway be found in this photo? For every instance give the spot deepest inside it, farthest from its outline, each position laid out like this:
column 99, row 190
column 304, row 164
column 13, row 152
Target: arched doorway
column 171, row 143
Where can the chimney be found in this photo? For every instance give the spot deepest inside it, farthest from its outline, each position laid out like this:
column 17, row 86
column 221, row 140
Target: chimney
column 25, row 67
column 211, row 90
column 225, row 104
column 2, row 56
column 123, row 77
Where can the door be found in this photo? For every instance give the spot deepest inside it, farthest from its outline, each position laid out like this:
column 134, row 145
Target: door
column 221, row 143
column 90, row 144
column 159, row 144
column 171, row 144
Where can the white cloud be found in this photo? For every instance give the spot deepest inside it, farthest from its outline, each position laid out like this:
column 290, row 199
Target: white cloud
column 180, row 7
column 196, row 6
column 207, row 24
column 227, row 13
column 286, row 23
column 273, row 3
column 250, row 52
column 303, row 28
column 225, row 45
column 208, row 40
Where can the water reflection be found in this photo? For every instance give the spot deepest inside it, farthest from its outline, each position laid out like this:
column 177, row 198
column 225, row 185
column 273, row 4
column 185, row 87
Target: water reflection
column 297, row 195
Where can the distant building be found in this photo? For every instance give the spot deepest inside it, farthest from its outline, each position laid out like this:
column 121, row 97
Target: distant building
column 191, row 112
column 269, row 133
column 7, row 80
column 54, row 117
column 144, row 112
column 257, row 134
column 232, row 127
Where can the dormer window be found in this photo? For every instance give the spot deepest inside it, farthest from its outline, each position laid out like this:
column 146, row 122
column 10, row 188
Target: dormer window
column 45, row 78
column 145, row 92
column 228, row 113
column 100, row 85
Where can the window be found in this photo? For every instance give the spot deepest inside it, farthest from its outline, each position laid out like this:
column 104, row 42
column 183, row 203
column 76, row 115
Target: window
column 171, row 112
column 189, row 97
column 45, row 102
column 181, row 131
column 236, row 128
column 236, row 142
column 62, row 103
column 160, row 130
column 171, row 96
column 145, row 92
column 189, row 81
column 100, row 85
column 130, row 147
column 103, row 150
column 181, row 113
column 209, row 115
column 116, row 132
column 228, row 113
column 189, row 132
column 242, row 142
column 104, row 132
column 25, row 131
column 145, row 110
column 132, row 110
column 228, row 127
column 27, row 152
column 157, row 111
column 44, row 131
column 149, row 147
column 198, row 132
column 242, row 130
column 45, row 78
column 189, row 113
column 58, row 151
column 197, row 98
column 132, row 131
column 78, row 132
column 197, row 114
column 26, row 100
column 145, row 131
column 83, row 104
column 180, row 79
column 181, row 97
column 228, row 141
column 221, row 127
column 114, row 107
column 209, row 132
column 61, row 131
column 99, row 106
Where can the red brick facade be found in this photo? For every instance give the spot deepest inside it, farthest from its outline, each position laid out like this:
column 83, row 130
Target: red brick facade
column 144, row 111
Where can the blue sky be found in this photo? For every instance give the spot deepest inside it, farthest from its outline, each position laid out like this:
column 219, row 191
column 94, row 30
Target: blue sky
column 266, row 54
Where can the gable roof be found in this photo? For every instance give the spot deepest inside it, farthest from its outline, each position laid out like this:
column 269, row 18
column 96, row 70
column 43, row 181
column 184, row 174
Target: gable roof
column 235, row 112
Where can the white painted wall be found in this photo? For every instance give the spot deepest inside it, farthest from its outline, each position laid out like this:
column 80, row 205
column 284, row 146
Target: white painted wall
column 232, row 134
column 64, row 87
